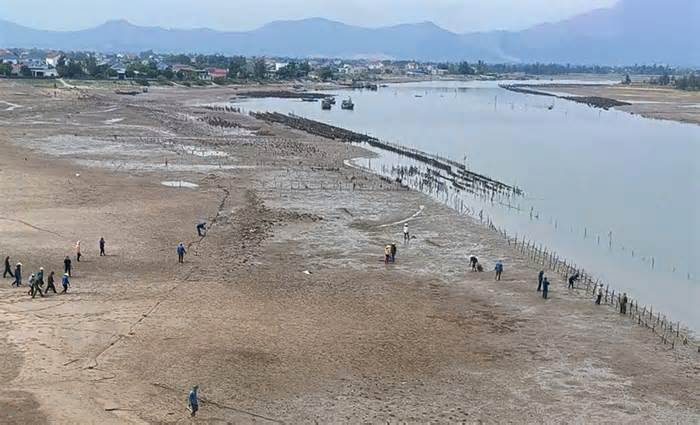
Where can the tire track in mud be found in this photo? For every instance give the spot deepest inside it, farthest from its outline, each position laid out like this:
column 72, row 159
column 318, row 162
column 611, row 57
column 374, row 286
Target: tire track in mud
column 31, row 226
column 119, row 337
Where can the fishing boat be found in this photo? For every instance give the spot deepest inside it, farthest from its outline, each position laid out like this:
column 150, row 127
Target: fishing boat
column 347, row 104
column 326, row 104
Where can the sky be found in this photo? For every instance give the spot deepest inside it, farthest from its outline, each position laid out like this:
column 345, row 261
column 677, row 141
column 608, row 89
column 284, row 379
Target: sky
column 236, row 15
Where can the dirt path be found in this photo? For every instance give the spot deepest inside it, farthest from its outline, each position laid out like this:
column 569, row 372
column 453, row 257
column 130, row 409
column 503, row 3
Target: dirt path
column 285, row 311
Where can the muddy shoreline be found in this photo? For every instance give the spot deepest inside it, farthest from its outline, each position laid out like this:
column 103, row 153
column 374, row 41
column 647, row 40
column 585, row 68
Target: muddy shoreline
column 648, row 101
column 593, row 101
column 285, row 311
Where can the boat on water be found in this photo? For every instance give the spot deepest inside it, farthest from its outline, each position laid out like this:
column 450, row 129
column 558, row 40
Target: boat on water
column 326, row 104
column 347, row 104
column 308, row 99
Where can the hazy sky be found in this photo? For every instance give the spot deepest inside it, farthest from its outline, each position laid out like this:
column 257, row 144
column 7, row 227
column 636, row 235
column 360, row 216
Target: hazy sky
column 456, row 15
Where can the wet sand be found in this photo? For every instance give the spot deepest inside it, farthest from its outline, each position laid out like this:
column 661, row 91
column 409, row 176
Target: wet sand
column 647, row 101
column 285, row 311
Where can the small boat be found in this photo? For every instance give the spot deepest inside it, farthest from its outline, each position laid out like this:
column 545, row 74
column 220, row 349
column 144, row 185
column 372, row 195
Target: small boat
column 308, row 99
column 347, row 104
column 326, row 104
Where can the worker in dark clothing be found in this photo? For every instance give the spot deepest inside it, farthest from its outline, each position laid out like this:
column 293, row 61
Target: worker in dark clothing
column 102, row 247
column 67, row 265
column 181, row 253
column 18, row 275
column 623, row 304
column 202, row 229
column 473, row 261
column 545, row 288
column 572, row 280
column 35, row 287
column 8, row 269
column 393, row 253
column 50, row 284
column 40, row 277
column 540, row 277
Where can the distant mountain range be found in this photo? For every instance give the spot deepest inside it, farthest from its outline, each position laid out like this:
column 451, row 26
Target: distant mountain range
column 631, row 32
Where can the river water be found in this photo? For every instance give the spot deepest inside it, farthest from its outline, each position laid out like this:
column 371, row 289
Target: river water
column 616, row 193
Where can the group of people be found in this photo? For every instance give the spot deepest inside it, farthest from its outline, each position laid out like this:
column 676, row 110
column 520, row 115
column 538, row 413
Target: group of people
column 390, row 253
column 36, row 280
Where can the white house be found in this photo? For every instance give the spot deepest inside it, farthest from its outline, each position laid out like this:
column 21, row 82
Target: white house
column 52, row 59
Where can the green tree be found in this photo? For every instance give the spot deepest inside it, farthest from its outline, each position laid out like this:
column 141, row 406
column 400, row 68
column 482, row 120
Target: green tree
column 325, row 73
column 260, row 69
column 464, row 68
column 237, row 67
column 6, row 69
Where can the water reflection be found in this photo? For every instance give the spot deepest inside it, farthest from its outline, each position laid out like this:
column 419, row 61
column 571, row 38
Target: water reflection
column 618, row 193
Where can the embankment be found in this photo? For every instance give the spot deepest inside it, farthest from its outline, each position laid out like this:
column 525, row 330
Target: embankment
column 456, row 171
column 594, row 101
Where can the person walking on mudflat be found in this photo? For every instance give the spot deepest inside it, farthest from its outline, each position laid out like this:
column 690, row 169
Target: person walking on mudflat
column 599, row 294
column 8, row 269
column 202, row 229
column 18, row 275
column 50, row 284
column 623, row 303
column 540, row 277
column 102, row 247
column 192, row 401
column 181, row 253
column 387, row 254
column 406, row 236
column 545, row 288
column 35, row 287
column 40, row 276
column 78, row 254
column 67, row 265
column 65, row 282
column 498, row 269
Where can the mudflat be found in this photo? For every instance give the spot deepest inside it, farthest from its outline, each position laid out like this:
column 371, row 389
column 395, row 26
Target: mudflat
column 647, row 101
column 285, row 312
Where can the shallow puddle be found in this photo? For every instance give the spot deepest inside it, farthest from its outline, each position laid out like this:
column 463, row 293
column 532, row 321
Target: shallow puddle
column 180, row 183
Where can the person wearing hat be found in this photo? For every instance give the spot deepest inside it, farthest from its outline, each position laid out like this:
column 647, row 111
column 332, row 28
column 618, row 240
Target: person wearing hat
column 473, row 261
column 8, row 269
column 65, row 282
column 192, row 401
column 387, row 254
column 50, row 284
column 599, row 294
column 40, row 277
column 406, row 236
column 18, row 275
column 34, row 286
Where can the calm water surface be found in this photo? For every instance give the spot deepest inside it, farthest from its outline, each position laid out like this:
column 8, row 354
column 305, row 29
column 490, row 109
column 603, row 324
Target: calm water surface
column 617, row 193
